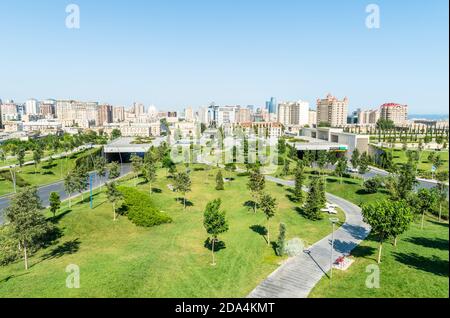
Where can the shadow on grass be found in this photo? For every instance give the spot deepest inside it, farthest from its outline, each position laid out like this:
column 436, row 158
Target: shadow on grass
column 188, row 202
column 439, row 223
column 60, row 216
column 365, row 252
column 250, row 205
column 67, row 248
column 259, row 229
column 47, row 173
column 8, row 278
column 218, row 245
column 156, row 190
column 433, row 264
column 429, row 243
column 49, row 166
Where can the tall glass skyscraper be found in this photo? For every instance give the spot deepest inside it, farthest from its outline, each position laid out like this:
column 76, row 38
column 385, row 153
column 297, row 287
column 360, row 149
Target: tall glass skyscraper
column 271, row 105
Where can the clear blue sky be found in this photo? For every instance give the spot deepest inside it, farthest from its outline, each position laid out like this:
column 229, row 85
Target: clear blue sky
column 175, row 53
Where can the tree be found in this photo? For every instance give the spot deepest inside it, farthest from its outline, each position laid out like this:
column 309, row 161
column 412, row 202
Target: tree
column 321, row 159
column 281, row 146
column 341, row 167
column 286, row 168
column 215, row 223
column 314, row 202
column 279, row 250
column 116, row 133
column 308, row 158
column 2, row 155
column 437, row 162
column 426, row 199
column 182, row 184
column 355, row 158
column 81, row 181
column 406, row 180
column 37, row 156
column 28, row 224
column 113, row 196
column 219, row 181
column 168, row 164
column 55, row 202
column 149, row 173
column 372, row 185
column 363, row 164
column 441, row 192
column 136, row 166
column 114, row 170
column 20, row 156
column 385, row 124
column 100, row 167
column 69, row 186
column 268, row 205
column 256, row 184
column 230, row 167
column 387, row 219
column 299, row 180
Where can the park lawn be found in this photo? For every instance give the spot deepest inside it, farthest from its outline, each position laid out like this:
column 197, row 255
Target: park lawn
column 44, row 174
column 118, row 259
column 417, row 268
column 401, row 158
column 351, row 190
column 5, row 186
column 28, row 157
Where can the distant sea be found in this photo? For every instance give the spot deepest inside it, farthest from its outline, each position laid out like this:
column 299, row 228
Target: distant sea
column 428, row 116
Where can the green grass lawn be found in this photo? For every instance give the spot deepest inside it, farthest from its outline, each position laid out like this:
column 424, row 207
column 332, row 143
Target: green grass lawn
column 118, row 259
column 45, row 173
column 28, row 157
column 418, row 267
column 401, row 158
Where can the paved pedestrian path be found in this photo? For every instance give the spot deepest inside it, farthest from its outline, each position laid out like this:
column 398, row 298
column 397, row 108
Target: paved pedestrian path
column 297, row 277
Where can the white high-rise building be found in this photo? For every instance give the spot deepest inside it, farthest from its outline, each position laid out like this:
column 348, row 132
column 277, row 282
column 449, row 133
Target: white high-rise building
column 203, row 115
column 32, row 107
column 293, row 113
column 189, row 114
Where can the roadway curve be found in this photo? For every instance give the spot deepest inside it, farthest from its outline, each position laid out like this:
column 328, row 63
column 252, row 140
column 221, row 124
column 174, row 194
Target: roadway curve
column 297, row 277
column 44, row 191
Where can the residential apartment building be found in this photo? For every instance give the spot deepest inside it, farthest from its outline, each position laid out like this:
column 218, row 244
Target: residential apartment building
column 105, row 115
column 368, row 117
column 396, row 112
column 332, row 111
column 118, row 114
column 293, row 113
column 10, row 112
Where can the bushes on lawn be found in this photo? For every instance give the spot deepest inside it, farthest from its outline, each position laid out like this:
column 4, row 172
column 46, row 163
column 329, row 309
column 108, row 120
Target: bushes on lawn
column 86, row 159
column 140, row 210
column 6, row 174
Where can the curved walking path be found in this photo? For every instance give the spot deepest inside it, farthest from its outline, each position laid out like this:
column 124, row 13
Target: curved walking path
column 297, row 277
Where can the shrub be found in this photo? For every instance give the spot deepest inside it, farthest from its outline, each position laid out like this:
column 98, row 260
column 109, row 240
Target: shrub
column 86, row 159
column 8, row 247
column 140, row 210
column 373, row 185
column 19, row 180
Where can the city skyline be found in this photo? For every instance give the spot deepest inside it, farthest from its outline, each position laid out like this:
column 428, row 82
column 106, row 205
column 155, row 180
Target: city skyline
column 190, row 54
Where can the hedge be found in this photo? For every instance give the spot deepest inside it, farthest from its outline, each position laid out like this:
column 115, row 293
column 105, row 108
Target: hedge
column 140, row 210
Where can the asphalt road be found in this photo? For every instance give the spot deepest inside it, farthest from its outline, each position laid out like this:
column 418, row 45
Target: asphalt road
column 44, row 191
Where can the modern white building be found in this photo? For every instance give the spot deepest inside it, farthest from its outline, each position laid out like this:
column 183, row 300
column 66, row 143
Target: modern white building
column 32, row 107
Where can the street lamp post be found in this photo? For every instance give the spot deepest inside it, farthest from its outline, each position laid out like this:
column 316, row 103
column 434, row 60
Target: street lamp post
column 333, row 222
